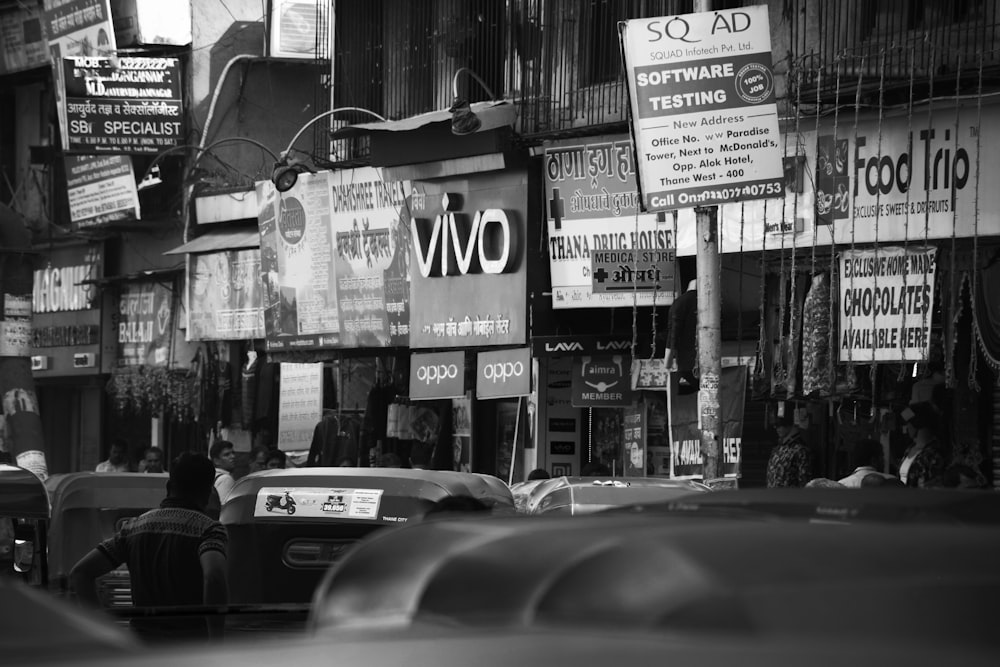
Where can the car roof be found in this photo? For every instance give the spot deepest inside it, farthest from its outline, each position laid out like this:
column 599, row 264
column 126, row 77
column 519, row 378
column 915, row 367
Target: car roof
column 886, row 505
column 655, row 573
column 581, row 495
column 22, row 494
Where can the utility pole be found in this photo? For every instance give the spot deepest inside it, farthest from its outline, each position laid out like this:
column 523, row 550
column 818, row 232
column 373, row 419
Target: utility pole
column 22, row 428
column 709, row 326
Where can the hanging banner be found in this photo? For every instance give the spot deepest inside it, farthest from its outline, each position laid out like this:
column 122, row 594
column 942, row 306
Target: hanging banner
column 371, row 241
column 634, row 441
column 123, row 105
column 704, row 116
column 296, row 264
column 75, row 28
column 300, row 405
column 225, row 300
column 593, row 217
column 886, row 303
column 22, row 39
column 685, row 434
column 602, row 381
column 101, row 190
column 145, row 324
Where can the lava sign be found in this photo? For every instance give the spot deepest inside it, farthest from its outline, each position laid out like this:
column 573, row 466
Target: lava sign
column 703, row 107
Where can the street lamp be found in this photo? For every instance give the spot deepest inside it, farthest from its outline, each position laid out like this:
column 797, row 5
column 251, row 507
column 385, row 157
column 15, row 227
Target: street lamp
column 287, row 169
column 463, row 120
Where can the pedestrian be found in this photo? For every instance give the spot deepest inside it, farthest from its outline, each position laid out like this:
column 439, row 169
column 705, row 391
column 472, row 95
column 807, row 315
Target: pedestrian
column 224, row 458
column 152, row 459
column 790, row 463
column 258, row 458
column 867, row 459
column 923, row 462
column 117, row 460
column 276, row 459
column 538, row 473
column 176, row 556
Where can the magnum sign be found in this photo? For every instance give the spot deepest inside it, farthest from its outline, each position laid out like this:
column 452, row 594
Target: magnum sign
column 503, row 373
column 437, row 375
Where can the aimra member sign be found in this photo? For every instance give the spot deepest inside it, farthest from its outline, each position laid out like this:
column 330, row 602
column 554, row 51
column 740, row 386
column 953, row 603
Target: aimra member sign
column 703, row 106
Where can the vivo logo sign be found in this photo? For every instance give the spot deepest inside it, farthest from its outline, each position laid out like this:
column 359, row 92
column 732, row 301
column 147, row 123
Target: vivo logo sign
column 503, row 373
column 435, row 374
column 450, row 246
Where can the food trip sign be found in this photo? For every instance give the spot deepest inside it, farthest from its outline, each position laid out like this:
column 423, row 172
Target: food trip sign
column 703, row 108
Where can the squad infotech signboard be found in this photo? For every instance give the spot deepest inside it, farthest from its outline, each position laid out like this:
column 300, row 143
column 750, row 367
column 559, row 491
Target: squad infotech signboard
column 703, row 107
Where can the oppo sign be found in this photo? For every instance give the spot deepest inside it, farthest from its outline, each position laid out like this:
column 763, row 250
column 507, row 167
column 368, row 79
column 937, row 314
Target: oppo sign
column 503, row 373
column 437, row 375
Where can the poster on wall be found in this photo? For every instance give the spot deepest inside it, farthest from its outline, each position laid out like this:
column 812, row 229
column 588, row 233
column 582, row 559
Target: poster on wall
column 22, row 39
column 371, row 249
column 685, row 434
column 145, row 324
column 300, row 405
column 296, row 264
column 224, row 295
column 593, row 216
column 101, row 190
column 461, row 434
column 704, row 113
column 468, row 275
column 634, row 451
column 886, row 303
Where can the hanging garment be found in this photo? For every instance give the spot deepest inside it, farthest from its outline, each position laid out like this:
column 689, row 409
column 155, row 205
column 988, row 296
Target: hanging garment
column 816, row 331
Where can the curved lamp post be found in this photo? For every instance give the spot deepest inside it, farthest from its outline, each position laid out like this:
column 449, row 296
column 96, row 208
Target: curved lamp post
column 200, row 152
column 287, row 169
column 463, row 120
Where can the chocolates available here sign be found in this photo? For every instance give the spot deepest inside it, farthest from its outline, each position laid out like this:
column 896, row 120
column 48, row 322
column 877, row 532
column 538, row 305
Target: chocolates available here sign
column 886, row 301
column 703, row 108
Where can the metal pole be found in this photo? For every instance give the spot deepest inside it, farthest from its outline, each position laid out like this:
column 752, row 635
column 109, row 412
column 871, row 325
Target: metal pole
column 709, row 337
column 709, row 325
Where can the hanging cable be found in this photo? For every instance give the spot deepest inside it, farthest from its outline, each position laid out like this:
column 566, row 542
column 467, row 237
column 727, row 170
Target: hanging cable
column 873, row 369
column 906, row 223
column 973, row 382
column 958, row 303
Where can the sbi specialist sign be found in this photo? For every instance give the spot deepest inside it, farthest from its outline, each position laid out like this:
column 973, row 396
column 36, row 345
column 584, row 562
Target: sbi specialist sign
column 503, row 373
column 437, row 375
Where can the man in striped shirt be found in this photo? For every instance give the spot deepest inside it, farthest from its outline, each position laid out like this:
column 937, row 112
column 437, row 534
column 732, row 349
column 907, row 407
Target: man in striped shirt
column 176, row 557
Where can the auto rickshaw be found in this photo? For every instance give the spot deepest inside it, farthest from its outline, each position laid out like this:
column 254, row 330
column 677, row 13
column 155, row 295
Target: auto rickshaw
column 24, row 516
column 286, row 527
column 88, row 507
column 586, row 495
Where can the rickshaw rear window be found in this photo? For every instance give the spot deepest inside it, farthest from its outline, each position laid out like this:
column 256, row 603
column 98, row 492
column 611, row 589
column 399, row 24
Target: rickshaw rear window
column 314, row 553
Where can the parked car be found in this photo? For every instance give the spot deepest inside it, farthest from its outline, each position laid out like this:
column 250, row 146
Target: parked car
column 585, row 495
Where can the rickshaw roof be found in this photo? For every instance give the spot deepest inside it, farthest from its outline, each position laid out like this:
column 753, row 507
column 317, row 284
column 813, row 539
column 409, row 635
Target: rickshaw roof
column 646, row 572
column 399, row 483
column 22, row 494
column 106, row 489
column 590, row 494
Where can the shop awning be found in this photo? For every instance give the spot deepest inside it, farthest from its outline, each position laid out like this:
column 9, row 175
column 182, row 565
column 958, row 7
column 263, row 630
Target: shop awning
column 491, row 114
column 220, row 239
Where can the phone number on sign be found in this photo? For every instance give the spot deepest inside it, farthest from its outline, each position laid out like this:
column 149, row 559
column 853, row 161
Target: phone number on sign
column 698, row 196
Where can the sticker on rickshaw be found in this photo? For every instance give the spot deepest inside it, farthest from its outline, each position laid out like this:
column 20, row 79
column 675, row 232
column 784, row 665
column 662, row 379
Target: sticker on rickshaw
column 318, row 502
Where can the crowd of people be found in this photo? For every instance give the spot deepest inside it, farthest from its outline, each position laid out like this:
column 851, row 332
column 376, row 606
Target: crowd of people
column 924, row 463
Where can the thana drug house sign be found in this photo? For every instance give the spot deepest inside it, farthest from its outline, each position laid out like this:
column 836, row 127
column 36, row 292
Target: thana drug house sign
column 703, row 108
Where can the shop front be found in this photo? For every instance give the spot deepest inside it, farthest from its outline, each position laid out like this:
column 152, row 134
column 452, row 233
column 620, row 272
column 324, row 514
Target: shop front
column 72, row 350
column 874, row 283
column 469, row 278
